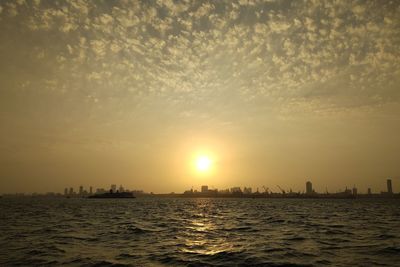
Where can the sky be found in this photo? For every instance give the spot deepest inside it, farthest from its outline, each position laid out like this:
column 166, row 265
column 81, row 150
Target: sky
column 95, row 93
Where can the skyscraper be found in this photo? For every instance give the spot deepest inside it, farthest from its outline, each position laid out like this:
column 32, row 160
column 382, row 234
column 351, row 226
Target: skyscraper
column 309, row 189
column 204, row 188
column 114, row 188
column 389, row 186
column 354, row 191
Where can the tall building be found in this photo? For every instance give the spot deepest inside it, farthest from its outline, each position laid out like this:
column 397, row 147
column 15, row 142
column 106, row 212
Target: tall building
column 389, row 186
column 114, row 188
column 121, row 188
column 91, row 190
column 81, row 190
column 71, row 190
column 236, row 190
column 204, row 188
column 354, row 191
column 309, row 189
column 66, row 191
column 369, row 191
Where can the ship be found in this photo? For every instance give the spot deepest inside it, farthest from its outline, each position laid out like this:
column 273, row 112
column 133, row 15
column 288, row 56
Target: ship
column 114, row 195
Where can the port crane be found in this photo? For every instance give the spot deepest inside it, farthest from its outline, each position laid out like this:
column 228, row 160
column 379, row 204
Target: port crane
column 283, row 191
column 266, row 189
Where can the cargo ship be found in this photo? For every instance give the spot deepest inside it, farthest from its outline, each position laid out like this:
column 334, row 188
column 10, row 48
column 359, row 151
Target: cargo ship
column 114, row 195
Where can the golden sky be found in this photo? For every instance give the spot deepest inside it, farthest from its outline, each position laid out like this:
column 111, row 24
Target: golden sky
column 130, row 92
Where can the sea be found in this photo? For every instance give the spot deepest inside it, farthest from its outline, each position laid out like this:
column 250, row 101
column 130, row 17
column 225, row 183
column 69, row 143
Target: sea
column 199, row 232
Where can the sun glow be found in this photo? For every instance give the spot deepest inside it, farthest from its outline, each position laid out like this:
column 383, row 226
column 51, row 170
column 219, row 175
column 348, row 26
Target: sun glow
column 203, row 163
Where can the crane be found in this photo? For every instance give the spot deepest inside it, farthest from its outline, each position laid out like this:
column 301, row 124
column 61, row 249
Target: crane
column 266, row 189
column 283, row 191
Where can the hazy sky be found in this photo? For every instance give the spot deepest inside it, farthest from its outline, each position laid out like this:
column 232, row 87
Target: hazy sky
column 129, row 92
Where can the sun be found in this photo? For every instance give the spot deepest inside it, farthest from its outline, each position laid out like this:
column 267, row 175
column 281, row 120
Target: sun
column 203, row 163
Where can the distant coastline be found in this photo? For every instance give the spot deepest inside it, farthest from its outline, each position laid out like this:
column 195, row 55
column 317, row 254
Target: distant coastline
column 205, row 195
column 282, row 196
column 205, row 192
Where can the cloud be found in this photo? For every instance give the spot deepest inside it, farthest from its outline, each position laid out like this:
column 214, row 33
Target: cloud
column 203, row 10
column 279, row 26
column 11, row 9
column 99, row 47
column 358, row 10
column 253, row 49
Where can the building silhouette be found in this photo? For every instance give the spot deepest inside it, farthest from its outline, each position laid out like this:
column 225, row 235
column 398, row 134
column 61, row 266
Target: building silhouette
column 236, row 190
column 204, row 188
column 247, row 190
column 354, row 191
column 389, row 186
column 121, row 189
column 113, row 188
column 309, row 189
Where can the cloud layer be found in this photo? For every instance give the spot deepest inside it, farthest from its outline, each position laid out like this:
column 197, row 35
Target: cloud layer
column 310, row 55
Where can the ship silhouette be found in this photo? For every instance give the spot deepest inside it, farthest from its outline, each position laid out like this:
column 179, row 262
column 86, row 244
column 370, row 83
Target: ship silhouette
column 111, row 194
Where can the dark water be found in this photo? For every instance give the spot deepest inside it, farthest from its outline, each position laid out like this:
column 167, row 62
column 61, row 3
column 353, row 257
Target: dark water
column 199, row 232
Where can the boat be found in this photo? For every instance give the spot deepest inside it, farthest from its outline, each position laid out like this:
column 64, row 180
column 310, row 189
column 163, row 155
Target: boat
column 114, row 195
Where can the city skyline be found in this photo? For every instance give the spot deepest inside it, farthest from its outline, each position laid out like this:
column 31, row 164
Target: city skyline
column 309, row 189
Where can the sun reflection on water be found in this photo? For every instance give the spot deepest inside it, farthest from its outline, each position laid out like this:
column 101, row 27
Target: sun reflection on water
column 202, row 235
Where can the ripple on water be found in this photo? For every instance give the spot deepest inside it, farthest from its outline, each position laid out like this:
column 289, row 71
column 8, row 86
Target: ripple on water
column 199, row 232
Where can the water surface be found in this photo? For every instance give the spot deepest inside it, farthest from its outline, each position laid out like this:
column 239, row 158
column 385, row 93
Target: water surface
column 199, row 232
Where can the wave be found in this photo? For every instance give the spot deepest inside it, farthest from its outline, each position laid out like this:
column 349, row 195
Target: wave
column 389, row 251
column 187, row 232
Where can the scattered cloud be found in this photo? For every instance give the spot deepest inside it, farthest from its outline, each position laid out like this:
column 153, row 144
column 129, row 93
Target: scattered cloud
column 248, row 50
